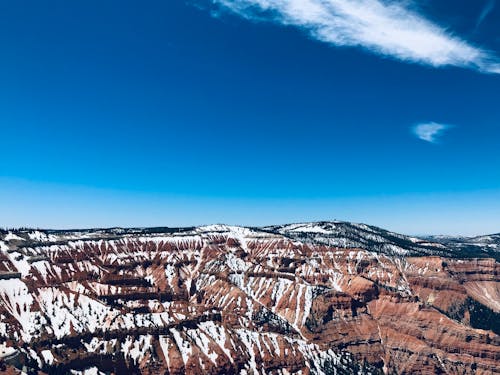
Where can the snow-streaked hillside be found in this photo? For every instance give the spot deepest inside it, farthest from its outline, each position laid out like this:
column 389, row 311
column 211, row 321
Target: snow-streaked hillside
column 353, row 235
column 318, row 298
column 479, row 246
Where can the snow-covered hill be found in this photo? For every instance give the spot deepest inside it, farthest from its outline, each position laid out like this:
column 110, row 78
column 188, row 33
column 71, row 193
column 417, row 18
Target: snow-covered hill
column 352, row 235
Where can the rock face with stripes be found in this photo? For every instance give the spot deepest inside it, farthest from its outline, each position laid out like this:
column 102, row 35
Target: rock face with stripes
column 232, row 300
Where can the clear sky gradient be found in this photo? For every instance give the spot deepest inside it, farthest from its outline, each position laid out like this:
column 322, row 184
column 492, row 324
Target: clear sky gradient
column 126, row 113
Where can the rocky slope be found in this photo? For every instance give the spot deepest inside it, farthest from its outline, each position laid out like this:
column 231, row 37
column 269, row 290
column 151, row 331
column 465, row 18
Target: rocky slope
column 318, row 298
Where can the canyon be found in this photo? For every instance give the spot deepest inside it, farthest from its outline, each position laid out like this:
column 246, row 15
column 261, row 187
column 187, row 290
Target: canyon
column 311, row 298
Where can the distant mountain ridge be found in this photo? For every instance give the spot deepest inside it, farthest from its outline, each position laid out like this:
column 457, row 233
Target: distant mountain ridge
column 331, row 233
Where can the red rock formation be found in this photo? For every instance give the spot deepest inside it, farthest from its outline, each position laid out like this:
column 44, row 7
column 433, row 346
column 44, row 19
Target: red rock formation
column 227, row 299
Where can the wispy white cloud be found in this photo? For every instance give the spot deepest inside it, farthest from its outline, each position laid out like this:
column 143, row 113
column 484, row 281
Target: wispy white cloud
column 490, row 4
column 385, row 27
column 430, row 132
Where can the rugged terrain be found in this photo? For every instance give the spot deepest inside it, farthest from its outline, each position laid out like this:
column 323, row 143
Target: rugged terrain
column 314, row 298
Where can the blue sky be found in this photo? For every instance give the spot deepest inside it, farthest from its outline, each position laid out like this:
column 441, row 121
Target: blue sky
column 251, row 112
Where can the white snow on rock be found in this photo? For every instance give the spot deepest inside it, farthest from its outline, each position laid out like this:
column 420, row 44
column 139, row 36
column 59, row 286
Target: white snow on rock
column 6, row 351
column 47, row 356
column 12, row 236
column 137, row 348
column 184, row 346
column 66, row 310
column 16, row 298
column 41, row 236
column 89, row 371
column 20, row 261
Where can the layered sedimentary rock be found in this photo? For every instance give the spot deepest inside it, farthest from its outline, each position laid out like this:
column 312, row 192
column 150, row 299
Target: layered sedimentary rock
column 224, row 300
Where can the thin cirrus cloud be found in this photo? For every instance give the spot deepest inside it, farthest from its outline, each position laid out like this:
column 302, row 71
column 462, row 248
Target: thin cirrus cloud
column 387, row 28
column 430, row 132
column 490, row 5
